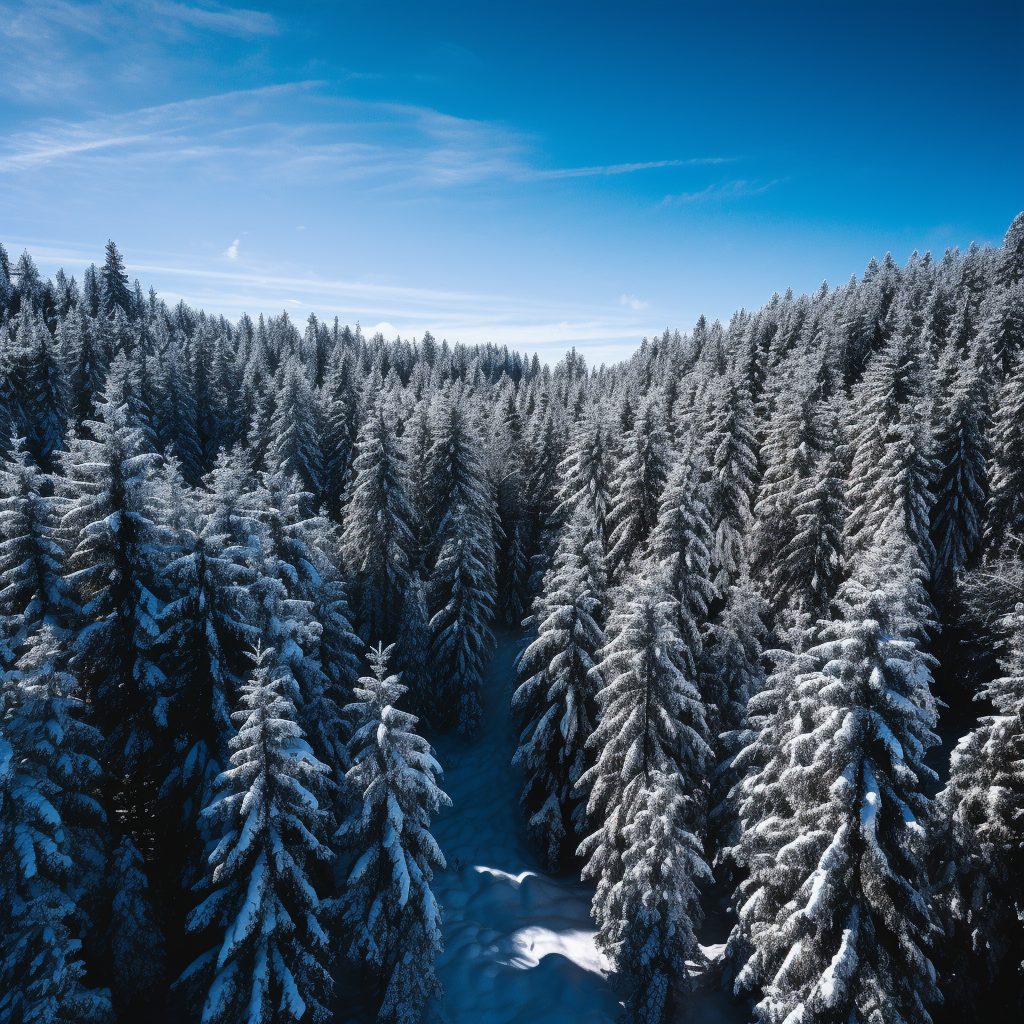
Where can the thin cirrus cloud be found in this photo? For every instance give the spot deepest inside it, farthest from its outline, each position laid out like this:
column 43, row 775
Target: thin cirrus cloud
column 300, row 130
column 632, row 302
column 722, row 190
column 217, row 18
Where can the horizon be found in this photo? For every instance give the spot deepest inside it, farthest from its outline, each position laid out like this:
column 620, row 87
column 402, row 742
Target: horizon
column 528, row 177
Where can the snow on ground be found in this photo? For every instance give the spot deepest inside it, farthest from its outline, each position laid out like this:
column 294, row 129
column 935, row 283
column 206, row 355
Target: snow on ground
column 519, row 944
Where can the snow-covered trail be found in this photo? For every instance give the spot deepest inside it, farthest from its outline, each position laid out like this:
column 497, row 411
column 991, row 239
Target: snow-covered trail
column 519, row 944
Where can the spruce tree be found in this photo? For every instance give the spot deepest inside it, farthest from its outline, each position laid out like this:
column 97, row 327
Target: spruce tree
column 637, row 485
column 51, row 841
column 270, row 954
column 114, row 282
column 389, row 911
column 378, row 537
column 980, row 829
column 960, row 486
column 647, row 793
column 1004, row 524
column 834, row 918
column 554, row 702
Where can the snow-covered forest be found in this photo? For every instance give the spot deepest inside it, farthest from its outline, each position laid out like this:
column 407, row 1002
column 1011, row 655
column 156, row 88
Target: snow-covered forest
column 769, row 578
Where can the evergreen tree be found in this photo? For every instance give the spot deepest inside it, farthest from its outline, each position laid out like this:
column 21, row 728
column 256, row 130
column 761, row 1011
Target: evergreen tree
column 834, row 919
column 108, row 525
column 647, row 791
column 295, row 449
column 960, row 486
column 269, row 961
column 115, row 283
column 586, row 475
column 388, row 908
column 378, row 538
column 461, row 587
column 981, row 834
column 1005, row 520
column 51, row 836
column 554, row 701
column 729, row 450
column 637, row 485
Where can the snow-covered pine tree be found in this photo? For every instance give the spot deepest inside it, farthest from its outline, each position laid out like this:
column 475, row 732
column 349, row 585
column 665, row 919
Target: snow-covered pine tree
column 586, row 474
column 554, row 702
column 51, row 841
column 295, row 448
column 200, row 649
column 412, row 649
column 729, row 449
column 389, row 911
column 269, row 961
column 378, row 536
column 681, row 545
column 812, row 562
column 1004, row 526
column 114, row 282
column 108, row 525
column 83, row 367
column 31, row 557
column 960, row 485
column 888, row 493
column 460, row 593
column 636, row 488
column 834, row 919
column 980, row 828
column 338, row 419
column 40, row 389
column 647, row 793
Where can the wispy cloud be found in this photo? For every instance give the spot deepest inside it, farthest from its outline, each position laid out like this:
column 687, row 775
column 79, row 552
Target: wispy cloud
column 218, row 18
column 610, row 169
column 722, row 190
column 232, row 250
column 304, row 131
column 633, row 302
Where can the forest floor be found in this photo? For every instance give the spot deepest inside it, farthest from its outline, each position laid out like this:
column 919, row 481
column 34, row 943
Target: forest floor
column 519, row 943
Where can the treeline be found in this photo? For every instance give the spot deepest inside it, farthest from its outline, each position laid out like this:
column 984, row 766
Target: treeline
column 747, row 551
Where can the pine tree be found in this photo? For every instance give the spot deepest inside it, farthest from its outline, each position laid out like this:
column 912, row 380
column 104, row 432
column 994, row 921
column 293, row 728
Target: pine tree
column 960, row 486
column 889, row 493
column 637, row 485
column 834, row 921
column 295, row 448
column 108, row 525
column 981, row 813
column 681, row 545
column 729, row 450
column 460, row 593
column 51, row 836
column 200, row 647
column 647, row 791
column 269, row 961
column 388, row 908
column 1005, row 520
column 586, row 474
column 338, row 420
column 554, row 703
column 811, row 563
column 378, row 537
column 115, row 283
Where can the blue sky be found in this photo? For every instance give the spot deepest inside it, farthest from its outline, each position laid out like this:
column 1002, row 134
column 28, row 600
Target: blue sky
column 540, row 175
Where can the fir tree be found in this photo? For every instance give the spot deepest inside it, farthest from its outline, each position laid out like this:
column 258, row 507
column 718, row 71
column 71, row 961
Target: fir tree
column 1005, row 511
column 378, row 536
column 639, row 479
column 388, row 908
column 834, row 914
column 269, row 961
column 51, row 837
column 981, row 834
column 554, row 702
column 647, row 792
column 960, row 486
column 115, row 283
